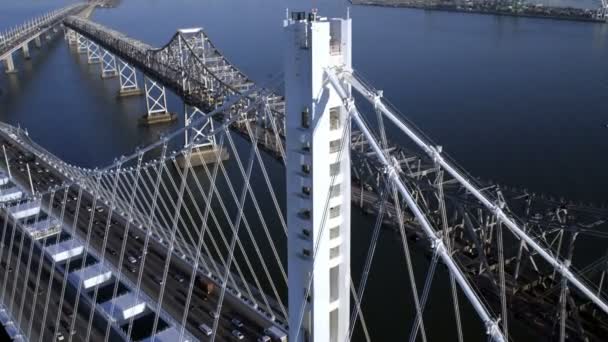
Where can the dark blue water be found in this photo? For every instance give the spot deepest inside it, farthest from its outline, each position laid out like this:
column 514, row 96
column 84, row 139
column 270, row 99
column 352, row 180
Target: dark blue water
column 515, row 100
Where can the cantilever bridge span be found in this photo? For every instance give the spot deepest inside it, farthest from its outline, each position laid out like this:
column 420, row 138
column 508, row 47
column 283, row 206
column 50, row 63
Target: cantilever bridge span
column 210, row 241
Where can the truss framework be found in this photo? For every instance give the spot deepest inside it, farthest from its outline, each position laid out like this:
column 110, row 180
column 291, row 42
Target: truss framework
column 128, row 76
column 156, row 97
column 108, row 66
column 93, row 53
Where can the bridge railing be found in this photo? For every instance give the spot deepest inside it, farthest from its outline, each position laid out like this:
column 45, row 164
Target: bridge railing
column 14, row 36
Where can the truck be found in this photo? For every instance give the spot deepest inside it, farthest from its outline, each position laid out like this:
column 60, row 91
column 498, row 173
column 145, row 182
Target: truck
column 206, row 285
column 276, row 334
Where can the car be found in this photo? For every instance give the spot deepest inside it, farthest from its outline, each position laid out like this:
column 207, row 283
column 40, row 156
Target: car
column 264, row 338
column 237, row 334
column 158, row 280
column 59, row 337
column 237, row 323
column 132, row 259
column 112, row 251
column 205, row 329
column 131, row 269
column 180, row 278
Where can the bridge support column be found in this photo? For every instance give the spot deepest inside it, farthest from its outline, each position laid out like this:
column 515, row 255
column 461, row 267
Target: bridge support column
column 10, row 65
column 156, row 103
column 128, row 80
column 205, row 148
column 38, row 42
column 82, row 44
column 108, row 65
column 71, row 37
column 26, row 51
column 93, row 56
column 318, row 179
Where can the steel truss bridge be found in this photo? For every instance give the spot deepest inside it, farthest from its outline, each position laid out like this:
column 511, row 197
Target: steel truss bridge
column 121, row 252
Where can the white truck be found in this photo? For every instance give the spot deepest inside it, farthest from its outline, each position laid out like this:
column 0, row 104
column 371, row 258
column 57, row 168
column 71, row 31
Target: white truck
column 276, row 334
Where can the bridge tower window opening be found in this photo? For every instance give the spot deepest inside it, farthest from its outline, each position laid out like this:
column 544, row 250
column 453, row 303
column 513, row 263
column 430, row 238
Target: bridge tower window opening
column 334, row 118
column 335, row 145
column 334, row 325
column 335, row 190
column 305, row 119
column 334, row 232
column 334, row 169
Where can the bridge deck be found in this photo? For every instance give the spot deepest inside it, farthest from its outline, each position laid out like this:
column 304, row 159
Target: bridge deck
column 202, row 305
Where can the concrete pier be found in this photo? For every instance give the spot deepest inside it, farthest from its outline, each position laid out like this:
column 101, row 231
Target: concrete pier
column 204, row 155
column 130, row 92
column 10, row 65
column 26, row 51
column 109, row 75
column 37, row 42
column 155, row 119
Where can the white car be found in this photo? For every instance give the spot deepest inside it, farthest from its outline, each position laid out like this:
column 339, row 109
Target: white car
column 237, row 334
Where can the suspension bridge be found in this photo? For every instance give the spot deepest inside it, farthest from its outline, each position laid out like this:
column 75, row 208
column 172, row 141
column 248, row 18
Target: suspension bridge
column 192, row 238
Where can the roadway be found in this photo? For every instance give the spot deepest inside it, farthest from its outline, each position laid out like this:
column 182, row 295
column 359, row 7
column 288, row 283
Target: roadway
column 202, row 306
column 22, row 291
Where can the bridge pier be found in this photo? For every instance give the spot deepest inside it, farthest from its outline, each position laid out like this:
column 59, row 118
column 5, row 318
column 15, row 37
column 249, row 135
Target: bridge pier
column 10, row 65
column 71, row 36
column 108, row 65
column 82, row 44
column 205, row 149
column 38, row 42
column 26, row 51
column 156, row 104
column 128, row 80
column 93, row 56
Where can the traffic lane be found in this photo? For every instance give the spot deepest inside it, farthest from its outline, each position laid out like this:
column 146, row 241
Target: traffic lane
column 40, row 297
column 207, row 304
column 153, row 269
column 114, row 245
column 204, row 303
column 195, row 318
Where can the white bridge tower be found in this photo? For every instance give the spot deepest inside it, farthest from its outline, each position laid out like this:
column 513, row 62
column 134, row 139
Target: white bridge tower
column 318, row 178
